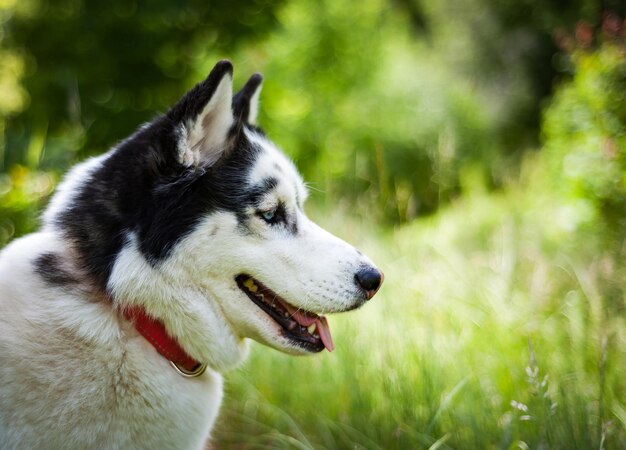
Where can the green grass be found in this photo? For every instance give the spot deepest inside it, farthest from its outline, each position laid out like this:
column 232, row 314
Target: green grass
column 497, row 327
column 501, row 325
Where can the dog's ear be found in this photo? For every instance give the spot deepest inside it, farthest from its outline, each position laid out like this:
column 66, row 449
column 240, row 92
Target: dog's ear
column 246, row 102
column 205, row 116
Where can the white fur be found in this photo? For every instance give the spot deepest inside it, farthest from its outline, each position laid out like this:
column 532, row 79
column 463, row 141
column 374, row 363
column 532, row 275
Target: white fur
column 206, row 134
column 66, row 191
column 253, row 114
column 58, row 356
column 198, row 323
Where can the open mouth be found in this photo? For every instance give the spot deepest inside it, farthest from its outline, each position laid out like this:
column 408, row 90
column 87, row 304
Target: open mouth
column 308, row 329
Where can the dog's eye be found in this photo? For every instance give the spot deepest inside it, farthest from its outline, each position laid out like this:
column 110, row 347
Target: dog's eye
column 268, row 216
column 273, row 216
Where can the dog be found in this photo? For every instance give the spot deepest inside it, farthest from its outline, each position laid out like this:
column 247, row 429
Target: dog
column 155, row 265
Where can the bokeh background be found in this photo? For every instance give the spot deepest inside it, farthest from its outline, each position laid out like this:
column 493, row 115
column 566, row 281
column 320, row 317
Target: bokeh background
column 475, row 149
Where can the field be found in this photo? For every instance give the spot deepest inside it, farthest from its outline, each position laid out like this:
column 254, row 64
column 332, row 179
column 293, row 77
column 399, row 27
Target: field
column 499, row 326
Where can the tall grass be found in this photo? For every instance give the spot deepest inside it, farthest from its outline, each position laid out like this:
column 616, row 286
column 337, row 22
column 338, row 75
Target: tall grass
column 497, row 327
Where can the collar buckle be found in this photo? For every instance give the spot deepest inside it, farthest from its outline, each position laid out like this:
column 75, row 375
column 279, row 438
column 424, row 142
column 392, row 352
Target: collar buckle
column 195, row 372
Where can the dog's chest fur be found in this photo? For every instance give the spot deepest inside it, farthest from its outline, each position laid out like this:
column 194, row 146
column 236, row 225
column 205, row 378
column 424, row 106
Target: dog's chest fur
column 94, row 382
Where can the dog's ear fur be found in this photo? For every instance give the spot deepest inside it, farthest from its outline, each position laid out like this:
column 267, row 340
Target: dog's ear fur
column 206, row 117
column 246, row 102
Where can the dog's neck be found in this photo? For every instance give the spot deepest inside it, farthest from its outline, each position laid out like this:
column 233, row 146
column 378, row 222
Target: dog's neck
column 187, row 314
column 154, row 331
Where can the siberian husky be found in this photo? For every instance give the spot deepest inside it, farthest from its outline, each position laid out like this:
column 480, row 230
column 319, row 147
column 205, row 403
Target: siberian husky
column 155, row 262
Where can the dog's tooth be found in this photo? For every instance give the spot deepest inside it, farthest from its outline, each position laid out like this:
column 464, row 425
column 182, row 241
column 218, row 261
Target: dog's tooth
column 311, row 328
column 249, row 284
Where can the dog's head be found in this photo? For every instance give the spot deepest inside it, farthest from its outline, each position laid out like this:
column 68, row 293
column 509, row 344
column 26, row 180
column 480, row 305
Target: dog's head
column 222, row 225
column 271, row 269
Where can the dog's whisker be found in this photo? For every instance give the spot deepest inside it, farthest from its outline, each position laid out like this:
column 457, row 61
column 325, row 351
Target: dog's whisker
column 311, row 187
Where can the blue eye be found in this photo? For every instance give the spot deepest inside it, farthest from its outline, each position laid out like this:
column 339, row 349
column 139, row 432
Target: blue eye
column 273, row 216
column 268, row 216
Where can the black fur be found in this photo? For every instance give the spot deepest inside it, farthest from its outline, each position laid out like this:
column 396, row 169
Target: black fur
column 194, row 101
column 49, row 267
column 241, row 101
column 142, row 187
column 256, row 193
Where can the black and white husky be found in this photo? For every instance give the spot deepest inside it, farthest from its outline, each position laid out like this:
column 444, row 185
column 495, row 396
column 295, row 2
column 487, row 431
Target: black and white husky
column 154, row 264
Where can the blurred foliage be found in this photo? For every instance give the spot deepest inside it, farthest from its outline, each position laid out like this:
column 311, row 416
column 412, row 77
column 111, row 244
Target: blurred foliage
column 94, row 71
column 22, row 196
column 397, row 107
column 369, row 113
column 585, row 130
column 393, row 103
column 78, row 75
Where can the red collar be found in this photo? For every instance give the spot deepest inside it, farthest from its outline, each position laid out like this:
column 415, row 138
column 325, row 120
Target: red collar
column 154, row 331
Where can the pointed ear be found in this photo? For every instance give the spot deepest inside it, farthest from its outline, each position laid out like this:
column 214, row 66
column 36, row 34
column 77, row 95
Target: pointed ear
column 246, row 102
column 205, row 118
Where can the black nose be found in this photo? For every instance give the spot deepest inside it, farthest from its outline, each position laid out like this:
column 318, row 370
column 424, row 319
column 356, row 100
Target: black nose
column 369, row 279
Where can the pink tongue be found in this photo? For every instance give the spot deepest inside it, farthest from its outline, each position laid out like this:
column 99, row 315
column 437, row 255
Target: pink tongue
column 321, row 324
column 324, row 331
